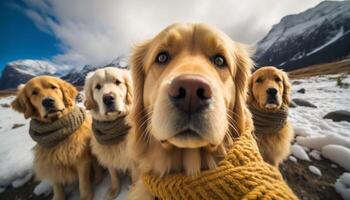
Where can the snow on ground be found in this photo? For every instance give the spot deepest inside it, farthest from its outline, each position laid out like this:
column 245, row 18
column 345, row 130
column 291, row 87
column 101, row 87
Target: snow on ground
column 342, row 186
column 315, row 136
column 315, row 170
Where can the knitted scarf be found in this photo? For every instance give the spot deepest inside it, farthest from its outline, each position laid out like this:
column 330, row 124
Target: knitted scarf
column 242, row 174
column 269, row 122
column 110, row 132
column 50, row 134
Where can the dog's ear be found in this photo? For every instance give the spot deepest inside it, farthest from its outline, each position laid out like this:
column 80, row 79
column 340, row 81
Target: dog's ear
column 129, row 90
column 69, row 93
column 286, row 89
column 137, row 114
column 89, row 103
column 250, row 96
column 244, row 64
column 22, row 103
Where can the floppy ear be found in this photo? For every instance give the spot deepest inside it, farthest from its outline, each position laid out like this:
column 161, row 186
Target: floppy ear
column 69, row 93
column 243, row 64
column 129, row 92
column 286, row 89
column 137, row 113
column 22, row 103
column 89, row 103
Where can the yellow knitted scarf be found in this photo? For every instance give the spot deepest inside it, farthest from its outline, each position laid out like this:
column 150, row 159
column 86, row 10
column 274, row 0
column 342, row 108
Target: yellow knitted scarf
column 241, row 175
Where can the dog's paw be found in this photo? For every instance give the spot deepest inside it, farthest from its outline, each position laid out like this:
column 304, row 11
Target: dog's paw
column 112, row 193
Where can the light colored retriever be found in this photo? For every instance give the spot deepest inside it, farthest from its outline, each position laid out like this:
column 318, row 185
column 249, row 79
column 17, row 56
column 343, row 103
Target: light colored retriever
column 269, row 96
column 46, row 100
column 108, row 94
column 189, row 101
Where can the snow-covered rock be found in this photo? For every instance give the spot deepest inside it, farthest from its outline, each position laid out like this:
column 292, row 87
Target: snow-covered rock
column 337, row 154
column 299, row 152
column 317, row 35
column 315, row 154
column 293, row 159
column 320, row 141
column 44, row 188
column 21, row 181
column 315, row 170
column 342, row 186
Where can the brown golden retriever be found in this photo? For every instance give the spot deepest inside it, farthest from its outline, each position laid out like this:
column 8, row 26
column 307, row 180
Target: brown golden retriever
column 269, row 96
column 108, row 94
column 189, row 100
column 47, row 99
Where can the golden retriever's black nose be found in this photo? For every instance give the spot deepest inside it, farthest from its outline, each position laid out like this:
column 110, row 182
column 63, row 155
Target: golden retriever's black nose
column 271, row 91
column 190, row 93
column 48, row 102
column 108, row 99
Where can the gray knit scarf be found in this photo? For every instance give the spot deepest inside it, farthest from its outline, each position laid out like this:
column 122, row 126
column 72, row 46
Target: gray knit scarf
column 110, row 132
column 269, row 122
column 50, row 134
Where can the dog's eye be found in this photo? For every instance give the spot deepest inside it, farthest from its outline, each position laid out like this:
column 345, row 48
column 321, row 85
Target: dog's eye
column 258, row 80
column 277, row 79
column 53, row 87
column 34, row 93
column 162, row 58
column 98, row 86
column 219, row 61
column 117, row 82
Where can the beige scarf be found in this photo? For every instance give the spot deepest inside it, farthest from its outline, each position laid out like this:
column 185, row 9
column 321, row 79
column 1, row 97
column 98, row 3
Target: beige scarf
column 269, row 122
column 110, row 132
column 50, row 134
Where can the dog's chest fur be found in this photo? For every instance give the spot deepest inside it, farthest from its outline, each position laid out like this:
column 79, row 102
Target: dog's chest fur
column 58, row 163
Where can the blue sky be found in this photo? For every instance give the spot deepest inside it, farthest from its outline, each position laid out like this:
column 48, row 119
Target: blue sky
column 76, row 33
column 20, row 38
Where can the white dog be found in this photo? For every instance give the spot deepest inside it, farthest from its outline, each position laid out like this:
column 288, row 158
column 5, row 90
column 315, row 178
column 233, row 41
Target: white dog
column 108, row 97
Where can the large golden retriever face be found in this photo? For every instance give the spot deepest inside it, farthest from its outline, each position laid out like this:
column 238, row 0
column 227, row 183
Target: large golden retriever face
column 269, row 88
column 45, row 98
column 190, row 86
column 108, row 93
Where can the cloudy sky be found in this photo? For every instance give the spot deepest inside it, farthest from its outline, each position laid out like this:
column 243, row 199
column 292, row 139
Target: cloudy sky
column 79, row 32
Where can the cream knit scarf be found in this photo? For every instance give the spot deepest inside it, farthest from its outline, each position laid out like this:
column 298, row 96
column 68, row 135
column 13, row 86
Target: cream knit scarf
column 110, row 132
column 269, row 122
column 50, row 134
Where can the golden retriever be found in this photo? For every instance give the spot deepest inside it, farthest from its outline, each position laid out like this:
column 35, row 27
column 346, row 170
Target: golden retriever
column 108, row 93
column 189, row 101
column 269, row 93
column 47, row 99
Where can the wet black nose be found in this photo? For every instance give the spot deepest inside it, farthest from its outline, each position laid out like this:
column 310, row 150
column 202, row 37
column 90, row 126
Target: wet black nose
column 271, row 91
column 190, row 93
column 108, row 99
column 48, row 102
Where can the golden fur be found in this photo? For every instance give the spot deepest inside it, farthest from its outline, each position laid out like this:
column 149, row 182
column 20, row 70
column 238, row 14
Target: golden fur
column 274, row 147
column 70, row 160
column 114, row 156
column 153, row 142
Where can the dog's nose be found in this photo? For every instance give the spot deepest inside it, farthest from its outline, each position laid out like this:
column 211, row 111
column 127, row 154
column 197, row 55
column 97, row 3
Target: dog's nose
column 108, row 99
column 271, row 91
column 190, row 93
column 48, row 102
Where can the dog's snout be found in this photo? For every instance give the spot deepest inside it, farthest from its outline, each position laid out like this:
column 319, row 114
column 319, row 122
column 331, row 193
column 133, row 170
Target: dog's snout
column 48, row 102
column 108, row 99
column 190, row 93
column 271, row 91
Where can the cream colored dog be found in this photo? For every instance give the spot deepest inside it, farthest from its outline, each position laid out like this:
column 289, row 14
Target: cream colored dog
column 108, row 97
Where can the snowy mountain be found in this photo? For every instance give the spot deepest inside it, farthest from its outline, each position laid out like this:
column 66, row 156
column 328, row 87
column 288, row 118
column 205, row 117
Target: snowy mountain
column 21, row 71
column 317, row 35
column 77, row 77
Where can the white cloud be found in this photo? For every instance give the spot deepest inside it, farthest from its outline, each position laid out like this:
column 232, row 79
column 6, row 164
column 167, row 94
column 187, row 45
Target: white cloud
column 95, row 32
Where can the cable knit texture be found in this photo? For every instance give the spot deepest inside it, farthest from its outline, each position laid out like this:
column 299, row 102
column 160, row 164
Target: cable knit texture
column 241, row 175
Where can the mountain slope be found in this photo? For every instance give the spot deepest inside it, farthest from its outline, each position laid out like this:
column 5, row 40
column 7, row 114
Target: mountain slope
column 320, row 34
column 21, row 71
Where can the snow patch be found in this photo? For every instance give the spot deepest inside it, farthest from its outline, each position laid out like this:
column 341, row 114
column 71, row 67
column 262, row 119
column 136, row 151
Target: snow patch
column 299, row 152
column 293, row 159
column 321, row 141
column 21, row 181
column 338, row 154
column 315, row 170
column 342, row 186
column 315, row 154
column 44, row 187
